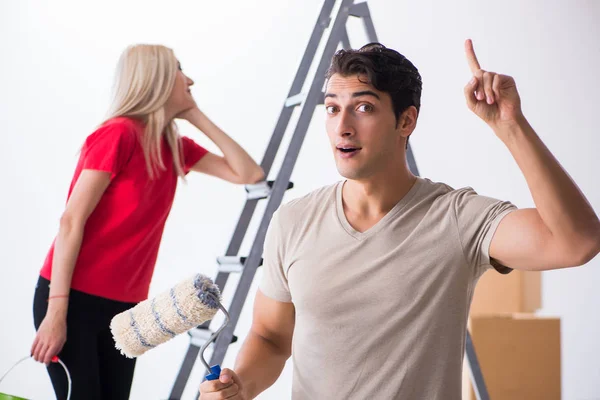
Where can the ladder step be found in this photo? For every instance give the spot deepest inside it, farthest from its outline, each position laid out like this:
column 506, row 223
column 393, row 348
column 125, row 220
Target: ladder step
column 199, row 336
column 295, row 100
column 262, row 190
column 232, row 264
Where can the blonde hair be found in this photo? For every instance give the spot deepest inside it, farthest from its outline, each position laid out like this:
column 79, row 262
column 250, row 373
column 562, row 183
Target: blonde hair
column 144, row 80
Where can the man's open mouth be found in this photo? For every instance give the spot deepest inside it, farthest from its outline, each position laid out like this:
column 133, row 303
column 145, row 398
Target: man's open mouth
column 348, row 150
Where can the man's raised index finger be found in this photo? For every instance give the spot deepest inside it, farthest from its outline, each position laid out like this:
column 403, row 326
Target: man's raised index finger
column 471, row 57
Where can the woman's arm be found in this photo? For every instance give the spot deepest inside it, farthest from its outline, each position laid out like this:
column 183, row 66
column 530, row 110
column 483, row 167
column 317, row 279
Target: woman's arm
column 236, row 165
column 85, row 196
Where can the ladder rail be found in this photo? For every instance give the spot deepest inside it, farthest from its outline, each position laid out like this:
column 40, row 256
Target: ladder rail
column 361, row 10
column 477, row 379
column 323, row 21
column 297, row 84
column 278, row 133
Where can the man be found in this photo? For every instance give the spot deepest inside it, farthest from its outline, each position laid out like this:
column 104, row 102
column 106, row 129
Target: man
column 372, row 277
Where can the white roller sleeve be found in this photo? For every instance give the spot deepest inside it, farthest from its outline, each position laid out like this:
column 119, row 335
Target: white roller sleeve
column 155, row 321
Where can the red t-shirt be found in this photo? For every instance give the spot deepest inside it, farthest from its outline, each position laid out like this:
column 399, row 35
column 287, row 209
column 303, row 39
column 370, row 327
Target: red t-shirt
column 122, row 235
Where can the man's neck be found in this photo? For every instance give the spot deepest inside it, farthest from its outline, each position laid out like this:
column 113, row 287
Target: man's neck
column 370, row 199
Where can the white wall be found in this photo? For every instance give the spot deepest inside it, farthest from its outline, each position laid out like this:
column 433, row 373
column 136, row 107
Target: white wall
column 55, row 77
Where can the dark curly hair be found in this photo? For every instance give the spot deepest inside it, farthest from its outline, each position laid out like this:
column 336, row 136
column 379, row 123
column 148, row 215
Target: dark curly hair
column 385, row 69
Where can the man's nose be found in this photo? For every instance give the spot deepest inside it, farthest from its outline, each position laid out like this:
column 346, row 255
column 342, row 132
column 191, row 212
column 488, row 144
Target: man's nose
column 345, row 125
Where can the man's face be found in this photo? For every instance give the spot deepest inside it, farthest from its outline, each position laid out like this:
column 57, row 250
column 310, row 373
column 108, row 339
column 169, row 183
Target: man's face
column 362, row 128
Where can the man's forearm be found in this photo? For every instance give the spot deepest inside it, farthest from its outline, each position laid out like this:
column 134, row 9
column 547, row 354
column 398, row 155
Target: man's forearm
column 258, row 365
column 561, row 205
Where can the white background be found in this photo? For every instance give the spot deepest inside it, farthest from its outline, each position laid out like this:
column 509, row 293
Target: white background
column 56, row 72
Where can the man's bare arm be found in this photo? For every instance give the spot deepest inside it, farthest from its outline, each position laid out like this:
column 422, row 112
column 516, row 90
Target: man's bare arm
column 563, row 229
column 268, row 345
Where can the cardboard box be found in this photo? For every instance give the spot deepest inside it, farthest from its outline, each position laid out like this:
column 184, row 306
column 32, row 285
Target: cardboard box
column 519, row 356
column 516, row 292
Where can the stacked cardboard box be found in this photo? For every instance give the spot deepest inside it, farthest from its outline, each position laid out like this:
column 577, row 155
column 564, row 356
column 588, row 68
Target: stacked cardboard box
column 518, row 352
column 516, row 292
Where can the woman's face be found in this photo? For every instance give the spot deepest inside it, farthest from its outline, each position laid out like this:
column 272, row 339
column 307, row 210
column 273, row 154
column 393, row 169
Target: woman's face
column 181, row 96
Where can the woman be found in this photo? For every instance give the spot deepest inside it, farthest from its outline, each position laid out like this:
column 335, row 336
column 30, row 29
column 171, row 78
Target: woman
column 102, row 260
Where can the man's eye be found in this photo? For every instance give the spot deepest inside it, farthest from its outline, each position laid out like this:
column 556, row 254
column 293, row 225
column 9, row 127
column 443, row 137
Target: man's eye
column 330, row 109
column 365, row 108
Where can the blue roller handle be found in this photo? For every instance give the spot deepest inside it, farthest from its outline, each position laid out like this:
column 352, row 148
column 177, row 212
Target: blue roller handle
column 215, row 373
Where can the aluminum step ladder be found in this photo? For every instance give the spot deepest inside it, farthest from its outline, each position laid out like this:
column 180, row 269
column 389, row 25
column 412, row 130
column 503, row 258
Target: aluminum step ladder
column 273, row 191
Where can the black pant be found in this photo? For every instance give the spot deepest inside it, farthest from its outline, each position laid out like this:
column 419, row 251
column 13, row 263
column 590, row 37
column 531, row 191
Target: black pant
column 98, row 370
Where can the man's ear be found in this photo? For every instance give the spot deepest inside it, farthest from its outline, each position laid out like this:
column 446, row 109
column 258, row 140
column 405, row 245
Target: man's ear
column 408, row 120
column 407, row 123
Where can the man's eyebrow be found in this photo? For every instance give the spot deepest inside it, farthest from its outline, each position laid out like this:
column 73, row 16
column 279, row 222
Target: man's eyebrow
column 356, row 94
column 365, row 93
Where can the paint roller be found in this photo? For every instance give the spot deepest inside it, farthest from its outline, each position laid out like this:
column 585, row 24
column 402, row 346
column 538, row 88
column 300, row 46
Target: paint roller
column 175, row 311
